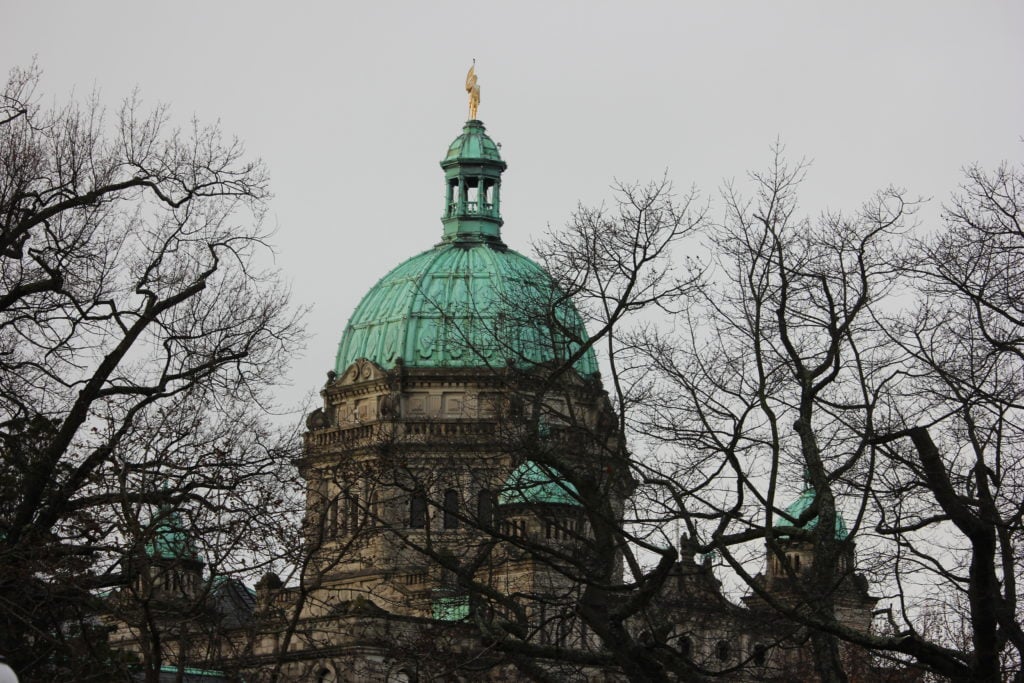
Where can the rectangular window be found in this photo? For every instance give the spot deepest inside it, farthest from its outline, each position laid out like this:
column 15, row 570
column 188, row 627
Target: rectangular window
column 332, row 517
column 451, row 509
column 418, row 511
column 485, row 509
column 352, row 513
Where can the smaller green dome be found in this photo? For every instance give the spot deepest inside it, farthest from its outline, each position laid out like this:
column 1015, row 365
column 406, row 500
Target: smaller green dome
column 532, row 483
column 473, row 144
column 169, row 540
column 801, row 505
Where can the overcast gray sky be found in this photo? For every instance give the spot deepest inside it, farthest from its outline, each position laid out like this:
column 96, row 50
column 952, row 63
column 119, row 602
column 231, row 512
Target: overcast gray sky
column 352, row 105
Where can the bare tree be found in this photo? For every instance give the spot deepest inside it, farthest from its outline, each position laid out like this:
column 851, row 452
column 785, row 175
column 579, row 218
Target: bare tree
column 786, row 365
column 962, row 418
column 140, row 332
column 770, row 375
column 766, row 419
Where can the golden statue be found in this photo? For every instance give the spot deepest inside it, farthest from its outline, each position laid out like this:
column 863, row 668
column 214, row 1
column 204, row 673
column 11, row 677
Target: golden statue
column 474, row 91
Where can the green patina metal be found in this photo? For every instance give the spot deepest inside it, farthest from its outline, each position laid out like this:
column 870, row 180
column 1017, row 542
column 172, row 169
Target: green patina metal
column 463, row 306
column 801, row 505
column 169, row 540
column 470, row 301
column 532, row 483
column 192, row 671
column 472, row 174
column 473, row 145
column 450, row 608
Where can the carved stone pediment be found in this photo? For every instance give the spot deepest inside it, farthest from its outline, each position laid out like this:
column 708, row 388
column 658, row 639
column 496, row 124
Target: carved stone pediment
column 362, row 370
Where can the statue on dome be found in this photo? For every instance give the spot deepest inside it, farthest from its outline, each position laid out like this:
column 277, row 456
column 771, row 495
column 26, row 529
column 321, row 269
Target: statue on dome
column 474, row 91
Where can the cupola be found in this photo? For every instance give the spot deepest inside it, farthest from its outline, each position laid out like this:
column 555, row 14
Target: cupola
column 170, row 562
column 472, row 176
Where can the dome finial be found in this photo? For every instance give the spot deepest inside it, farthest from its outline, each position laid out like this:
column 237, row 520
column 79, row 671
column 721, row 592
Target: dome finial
column 474, row 91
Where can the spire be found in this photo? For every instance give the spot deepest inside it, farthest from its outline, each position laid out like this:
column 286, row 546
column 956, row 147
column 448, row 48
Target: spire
column 472, row 175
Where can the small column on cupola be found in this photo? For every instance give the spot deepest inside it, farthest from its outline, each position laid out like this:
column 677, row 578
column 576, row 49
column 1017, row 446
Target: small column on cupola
column 472, row 175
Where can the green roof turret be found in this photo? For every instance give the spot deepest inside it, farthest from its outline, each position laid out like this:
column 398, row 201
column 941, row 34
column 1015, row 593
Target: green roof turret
column 801, row 505
column 532, row 483
column 472, row 174
column 169, row 540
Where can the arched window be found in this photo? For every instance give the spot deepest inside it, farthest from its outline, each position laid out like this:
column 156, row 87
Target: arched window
column 723, row 651
column 760, row 654
column 451, row 509
column 686, row 647
column 485, row 509
column 418, row 511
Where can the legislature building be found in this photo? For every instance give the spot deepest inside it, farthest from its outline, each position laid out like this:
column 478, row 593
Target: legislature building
column 466, row 481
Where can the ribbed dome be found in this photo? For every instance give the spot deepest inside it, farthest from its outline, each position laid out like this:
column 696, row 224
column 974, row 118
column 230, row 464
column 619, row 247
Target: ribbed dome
column 473, row 144
column 462, row 305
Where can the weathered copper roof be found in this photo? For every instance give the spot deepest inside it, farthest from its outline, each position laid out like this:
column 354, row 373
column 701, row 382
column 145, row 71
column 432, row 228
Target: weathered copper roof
column 532, row 483
column 464, row 306
column 169, row 540
column 801, row 504
column 470, row 301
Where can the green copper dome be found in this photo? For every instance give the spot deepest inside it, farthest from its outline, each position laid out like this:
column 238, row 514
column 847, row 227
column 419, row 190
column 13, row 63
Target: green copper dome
column 170, row 541
column 470, row 301
column 531, row 483
column 474, row 143
column 802, row 504
column 462, row 306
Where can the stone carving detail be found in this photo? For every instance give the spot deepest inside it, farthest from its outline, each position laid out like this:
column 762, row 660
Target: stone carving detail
column 390, row 405
column 316, row 420
column 361, row 371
